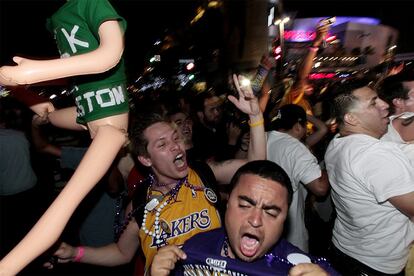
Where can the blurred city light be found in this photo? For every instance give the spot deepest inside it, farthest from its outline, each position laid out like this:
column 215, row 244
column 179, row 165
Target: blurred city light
column 190, row 66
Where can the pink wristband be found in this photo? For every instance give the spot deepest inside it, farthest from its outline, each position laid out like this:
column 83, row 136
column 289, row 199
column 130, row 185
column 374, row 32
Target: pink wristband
column 79, row 255
column 313, row 49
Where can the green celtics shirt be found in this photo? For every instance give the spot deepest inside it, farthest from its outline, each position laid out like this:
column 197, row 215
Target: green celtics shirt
column 75, row 27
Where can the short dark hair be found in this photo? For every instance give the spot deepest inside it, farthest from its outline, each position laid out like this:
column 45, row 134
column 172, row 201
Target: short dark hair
column 287, row 116
column 344, row 99
column 201, row 97
column 266, row 169
column 140, row 122
column 393, row 88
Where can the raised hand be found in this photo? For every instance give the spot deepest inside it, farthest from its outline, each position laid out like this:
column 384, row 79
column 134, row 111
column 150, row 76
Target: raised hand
column 267, row 62
column 246, row 102
column 321, row 32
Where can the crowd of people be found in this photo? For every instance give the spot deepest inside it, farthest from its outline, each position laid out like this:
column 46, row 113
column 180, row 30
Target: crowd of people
column 225, row 180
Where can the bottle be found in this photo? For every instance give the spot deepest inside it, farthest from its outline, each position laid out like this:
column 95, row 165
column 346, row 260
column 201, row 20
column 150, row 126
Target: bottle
column 258, row 80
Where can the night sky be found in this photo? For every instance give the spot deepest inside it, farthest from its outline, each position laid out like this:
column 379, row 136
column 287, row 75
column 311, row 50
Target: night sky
column 22, row 22
column 23, row 31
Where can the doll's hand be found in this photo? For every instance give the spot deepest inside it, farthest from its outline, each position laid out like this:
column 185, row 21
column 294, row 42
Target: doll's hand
column 22, row 73
column 5, row 78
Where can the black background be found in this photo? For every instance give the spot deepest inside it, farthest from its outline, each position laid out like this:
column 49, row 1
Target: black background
column 22, row 22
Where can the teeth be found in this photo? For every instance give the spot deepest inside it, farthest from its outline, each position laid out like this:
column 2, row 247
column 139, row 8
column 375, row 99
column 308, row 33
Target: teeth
column 178, row 161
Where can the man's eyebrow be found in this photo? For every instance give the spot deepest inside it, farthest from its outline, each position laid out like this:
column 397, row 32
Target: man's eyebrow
column 164, row 137
column 248, row 199
column 254, row 203
column 160, row 139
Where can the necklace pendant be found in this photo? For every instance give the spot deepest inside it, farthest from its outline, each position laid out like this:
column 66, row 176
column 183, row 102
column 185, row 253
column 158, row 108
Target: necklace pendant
column 152, row 204
column 193, row 193
column 210, row 195
column 164, row 226
column 298, row 258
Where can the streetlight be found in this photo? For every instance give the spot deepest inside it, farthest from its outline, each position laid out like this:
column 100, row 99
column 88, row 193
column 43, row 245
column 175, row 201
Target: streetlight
column 281, row 23
column 283, row 20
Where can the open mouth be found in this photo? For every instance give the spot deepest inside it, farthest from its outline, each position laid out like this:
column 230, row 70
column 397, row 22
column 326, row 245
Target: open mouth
column 249, row 245
column 179, row 161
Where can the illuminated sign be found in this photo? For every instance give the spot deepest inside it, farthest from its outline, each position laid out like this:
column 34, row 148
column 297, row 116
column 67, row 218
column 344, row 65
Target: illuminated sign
column 299, row 35
column 303, row 29
column 318, row 76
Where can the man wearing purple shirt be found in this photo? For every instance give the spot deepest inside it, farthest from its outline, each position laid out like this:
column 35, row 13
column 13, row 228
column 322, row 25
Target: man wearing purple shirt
column 250, row 243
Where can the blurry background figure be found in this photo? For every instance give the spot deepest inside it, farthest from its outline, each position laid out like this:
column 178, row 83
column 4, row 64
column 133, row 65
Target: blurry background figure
column 184, row 125
column 213, row 138
column 284, row 147
column 20, row 197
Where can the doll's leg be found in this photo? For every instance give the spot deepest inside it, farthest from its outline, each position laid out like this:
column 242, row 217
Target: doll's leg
column 98, row 158
column 65, row 118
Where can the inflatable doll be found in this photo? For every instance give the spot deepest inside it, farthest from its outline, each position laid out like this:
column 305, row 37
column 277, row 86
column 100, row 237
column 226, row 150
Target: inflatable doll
column 89, row 35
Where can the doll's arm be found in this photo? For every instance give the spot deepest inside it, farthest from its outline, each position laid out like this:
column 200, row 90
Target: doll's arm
column 106, row 56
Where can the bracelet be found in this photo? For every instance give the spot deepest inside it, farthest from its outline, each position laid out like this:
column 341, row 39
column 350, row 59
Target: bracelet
column 314, row 49
column 79, row 255
column 258, row 123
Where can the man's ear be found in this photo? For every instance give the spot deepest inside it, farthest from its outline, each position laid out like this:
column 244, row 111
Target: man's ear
column 351, row 119
column 297, row 127
column 146, row 161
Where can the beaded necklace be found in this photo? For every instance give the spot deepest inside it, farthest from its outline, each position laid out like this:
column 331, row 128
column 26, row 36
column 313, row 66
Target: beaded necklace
column 118, row 211
column 151, row 206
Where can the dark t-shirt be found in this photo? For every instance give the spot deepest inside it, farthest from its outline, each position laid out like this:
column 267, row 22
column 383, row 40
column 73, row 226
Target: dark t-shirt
column 203, row 258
